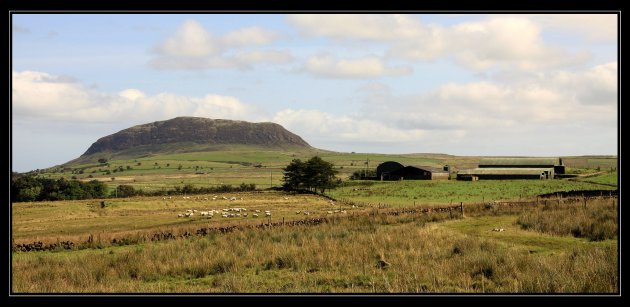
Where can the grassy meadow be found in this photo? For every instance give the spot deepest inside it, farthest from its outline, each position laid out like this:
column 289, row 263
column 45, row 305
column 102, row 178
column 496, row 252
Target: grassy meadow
column 425, row 253
column 562, row 247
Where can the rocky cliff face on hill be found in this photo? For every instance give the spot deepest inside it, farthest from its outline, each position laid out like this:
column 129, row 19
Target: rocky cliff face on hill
column 197, row 130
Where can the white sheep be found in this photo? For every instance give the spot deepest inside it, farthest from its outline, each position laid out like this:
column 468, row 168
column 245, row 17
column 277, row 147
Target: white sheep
column 306, row 213
column 267, row 213
column 257, row 211
column 244, row 214
column 232, row 198
column 254, row 215
column 297, row 212
column 180, row 215
column 330, row 212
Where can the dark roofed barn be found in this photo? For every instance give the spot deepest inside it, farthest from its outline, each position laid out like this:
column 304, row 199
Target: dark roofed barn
column 395, row 171
column 384, row 169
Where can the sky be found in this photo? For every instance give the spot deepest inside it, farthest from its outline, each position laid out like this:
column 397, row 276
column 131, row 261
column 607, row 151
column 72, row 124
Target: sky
column 476, row 84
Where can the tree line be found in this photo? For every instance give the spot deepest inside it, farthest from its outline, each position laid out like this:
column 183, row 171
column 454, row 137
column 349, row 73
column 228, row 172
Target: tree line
column 30, row 188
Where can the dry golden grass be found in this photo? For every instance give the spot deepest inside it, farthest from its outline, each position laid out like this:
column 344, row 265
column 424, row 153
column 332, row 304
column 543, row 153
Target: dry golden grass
column 340, row 256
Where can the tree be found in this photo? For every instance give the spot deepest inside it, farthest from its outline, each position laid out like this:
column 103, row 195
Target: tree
column 293, row 175
column 312, row 175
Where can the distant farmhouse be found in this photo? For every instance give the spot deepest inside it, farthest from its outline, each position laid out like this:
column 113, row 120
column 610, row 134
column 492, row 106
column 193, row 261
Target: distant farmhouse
column 392, row 170
column 514, row 168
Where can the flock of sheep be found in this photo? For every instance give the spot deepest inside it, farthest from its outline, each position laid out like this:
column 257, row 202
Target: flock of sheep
column 226, row 213
column 238, row 212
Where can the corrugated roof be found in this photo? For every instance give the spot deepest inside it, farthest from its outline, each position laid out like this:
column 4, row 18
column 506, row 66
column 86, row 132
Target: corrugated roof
column 504, row 171
column 519, row 161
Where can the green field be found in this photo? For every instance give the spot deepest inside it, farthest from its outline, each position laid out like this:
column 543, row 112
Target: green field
column 421, row 192
column 566, row 247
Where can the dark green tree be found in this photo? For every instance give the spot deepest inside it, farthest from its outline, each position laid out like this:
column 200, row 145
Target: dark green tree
column 293, row 175
column 312, row 175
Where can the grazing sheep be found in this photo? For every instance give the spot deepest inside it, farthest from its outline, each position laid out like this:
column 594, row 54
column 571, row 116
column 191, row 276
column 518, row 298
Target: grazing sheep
column 189, row 211
column 224, row 215
column 232, row 198
column 244, row 214
column 195, row 211
column 306, row 213
column 343, row 211
column 297, row 212
column 180, row 215
column 231, row 214
column 267, row 213
column 330, row 212
column 254, row 215
column 286, row 198
column 257, row 211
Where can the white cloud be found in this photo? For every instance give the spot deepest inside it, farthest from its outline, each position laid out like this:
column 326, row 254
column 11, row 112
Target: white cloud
column 249, row 36
column 593, row 26
column 497, row 42
column 192, row 47
column 263, row 56
column 321, row 126
column 36, row 97
column 365, row 67
column 358, row 26
column 191, row 40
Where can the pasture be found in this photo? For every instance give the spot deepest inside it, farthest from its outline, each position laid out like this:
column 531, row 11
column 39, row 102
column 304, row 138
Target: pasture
column 357, row 244
column 354, row 253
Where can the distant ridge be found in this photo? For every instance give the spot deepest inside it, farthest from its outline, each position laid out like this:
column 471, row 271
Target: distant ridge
column 196, row 131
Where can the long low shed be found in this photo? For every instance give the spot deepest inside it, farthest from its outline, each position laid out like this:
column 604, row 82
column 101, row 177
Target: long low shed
column 506, row 173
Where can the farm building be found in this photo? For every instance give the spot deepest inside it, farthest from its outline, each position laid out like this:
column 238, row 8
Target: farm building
column 555, row 163
column 514, row 168
column 505, row 173
column 391, row 170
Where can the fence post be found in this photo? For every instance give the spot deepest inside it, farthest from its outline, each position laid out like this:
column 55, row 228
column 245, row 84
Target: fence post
column 461, row 206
